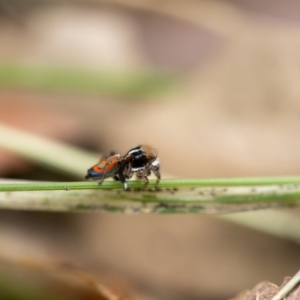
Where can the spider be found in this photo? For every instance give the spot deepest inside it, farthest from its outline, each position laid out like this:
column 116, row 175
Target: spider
column 140, row 160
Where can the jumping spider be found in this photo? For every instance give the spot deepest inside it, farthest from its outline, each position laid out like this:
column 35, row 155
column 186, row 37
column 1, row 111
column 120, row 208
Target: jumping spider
column 140, row 160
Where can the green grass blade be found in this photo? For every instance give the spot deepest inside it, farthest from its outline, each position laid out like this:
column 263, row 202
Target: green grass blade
column 47, row 152
column 70, row 79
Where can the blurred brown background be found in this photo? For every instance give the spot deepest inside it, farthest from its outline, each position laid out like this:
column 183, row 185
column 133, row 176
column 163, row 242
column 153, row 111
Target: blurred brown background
column 228, row 105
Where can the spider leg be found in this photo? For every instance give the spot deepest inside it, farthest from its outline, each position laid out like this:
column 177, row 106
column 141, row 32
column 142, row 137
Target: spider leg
column 110, row 167
column 128, row 171
column 125, row 172
column 104, row 171
column 155, row 168
column 122, row 178
column 143, row 175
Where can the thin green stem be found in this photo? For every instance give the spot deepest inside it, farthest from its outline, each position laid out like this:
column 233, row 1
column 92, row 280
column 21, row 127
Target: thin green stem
column 166, row 183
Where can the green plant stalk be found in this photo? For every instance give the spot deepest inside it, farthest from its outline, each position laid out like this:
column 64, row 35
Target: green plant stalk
column 283, row 183
column 173, row 196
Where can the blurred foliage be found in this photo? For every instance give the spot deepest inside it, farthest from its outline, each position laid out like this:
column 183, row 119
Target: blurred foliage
column 75, row 79
column 12, row 290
